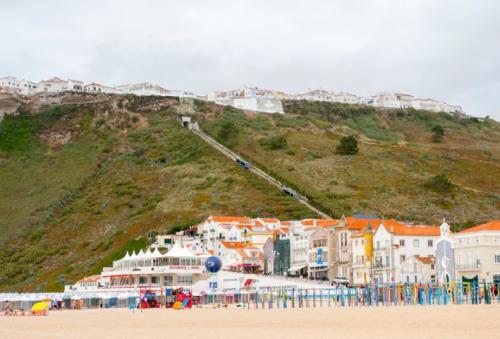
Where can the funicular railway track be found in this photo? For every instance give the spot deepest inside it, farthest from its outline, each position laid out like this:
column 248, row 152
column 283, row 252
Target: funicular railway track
column 257, row 171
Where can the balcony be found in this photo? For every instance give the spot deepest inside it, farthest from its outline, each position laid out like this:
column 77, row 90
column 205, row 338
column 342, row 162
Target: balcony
column 380, row 266
column 469, row 267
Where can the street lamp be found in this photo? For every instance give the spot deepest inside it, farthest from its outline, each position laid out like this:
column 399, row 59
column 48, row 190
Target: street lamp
column 275, row 255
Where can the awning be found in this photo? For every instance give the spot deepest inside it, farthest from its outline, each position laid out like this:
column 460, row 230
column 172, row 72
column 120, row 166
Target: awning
column 296, row 268
column 318, row 266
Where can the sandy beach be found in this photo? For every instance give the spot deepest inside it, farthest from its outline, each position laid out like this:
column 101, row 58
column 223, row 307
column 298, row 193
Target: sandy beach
column 465, row 321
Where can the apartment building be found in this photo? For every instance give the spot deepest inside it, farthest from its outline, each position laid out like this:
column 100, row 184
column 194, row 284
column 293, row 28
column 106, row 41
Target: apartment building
column 394, row 243
column 477, row 252
column 15, row 85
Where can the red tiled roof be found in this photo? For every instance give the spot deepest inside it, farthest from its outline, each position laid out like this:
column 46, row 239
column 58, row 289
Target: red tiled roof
column 319, row 222
column 235, row 245
column 270, row 220
column 92, row 278
column 426, row 260
column 390, row 225
column 493, row 225
column 218, row 218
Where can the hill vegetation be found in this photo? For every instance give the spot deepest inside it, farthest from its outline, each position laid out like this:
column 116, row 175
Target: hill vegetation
column 397, row 169
column 83, row 183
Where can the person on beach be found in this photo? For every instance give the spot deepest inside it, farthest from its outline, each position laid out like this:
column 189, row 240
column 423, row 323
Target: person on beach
column 6, row 308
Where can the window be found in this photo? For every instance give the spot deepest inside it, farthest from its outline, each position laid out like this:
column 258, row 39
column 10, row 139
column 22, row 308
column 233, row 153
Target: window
column 185, row 279
column 430, row 243
column 402, row 258
column 387, row 260
column 142, row 280
column 155, row 280
column 497, row 258
column 378, row 244
column 401, row 242
column 168, row 280
column 416, row 243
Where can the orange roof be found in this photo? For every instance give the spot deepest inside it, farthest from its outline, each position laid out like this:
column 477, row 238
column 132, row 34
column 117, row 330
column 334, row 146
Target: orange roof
column 490, row 226
column 245, row 226
column 425, row 260
column 416, row 230
column 245, row 255
column 92, row 278
column 390, row 225
column 270, row 220
column 218, row 218
column 259, row 223
column 211, row 252
column 357, row 224
column 319, row 222
column 234, row 245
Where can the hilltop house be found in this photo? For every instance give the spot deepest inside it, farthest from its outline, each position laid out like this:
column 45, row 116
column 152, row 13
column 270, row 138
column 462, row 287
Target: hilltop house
column 56, row 85
column 98, row 88
column 14, row 85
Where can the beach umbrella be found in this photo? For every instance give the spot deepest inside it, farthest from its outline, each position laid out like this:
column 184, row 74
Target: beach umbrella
column 38, row 307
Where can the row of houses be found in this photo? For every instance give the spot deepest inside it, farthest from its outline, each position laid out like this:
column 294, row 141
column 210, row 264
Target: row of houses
column 248, row 98
column 57, row 85
column 383, row 99
column 360, row 249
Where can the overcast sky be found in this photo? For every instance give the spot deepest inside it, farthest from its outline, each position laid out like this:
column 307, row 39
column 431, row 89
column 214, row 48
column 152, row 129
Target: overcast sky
column 447, row 49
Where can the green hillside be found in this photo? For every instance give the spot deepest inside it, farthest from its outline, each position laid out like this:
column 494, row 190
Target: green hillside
column 393, row 174
column 82, row 184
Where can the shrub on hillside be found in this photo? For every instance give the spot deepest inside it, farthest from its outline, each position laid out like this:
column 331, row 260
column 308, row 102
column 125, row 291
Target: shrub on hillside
column 348, row 146
column 275, row 142
column 440, row 183
column 437, row 133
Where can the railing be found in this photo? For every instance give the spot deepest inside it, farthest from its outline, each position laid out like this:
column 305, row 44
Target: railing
column 455, row 293
column 468, row 267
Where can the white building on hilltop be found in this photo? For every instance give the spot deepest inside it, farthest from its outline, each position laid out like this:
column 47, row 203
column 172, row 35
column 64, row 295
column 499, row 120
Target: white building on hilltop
column 324, row 95
column 147, row 88
column 57, row 85
column 250, row 99
column 144, row 88
column 98, row 88
column 15, row 85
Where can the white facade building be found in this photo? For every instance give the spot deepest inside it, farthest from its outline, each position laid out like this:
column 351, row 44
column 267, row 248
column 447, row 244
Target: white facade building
column 179, row 267
column 14, row 85
column 477, row 252
column 393, row 245
column 417, row 269
column 299, row 249
column 57, row 85
column 98, row 88
column 147, row 88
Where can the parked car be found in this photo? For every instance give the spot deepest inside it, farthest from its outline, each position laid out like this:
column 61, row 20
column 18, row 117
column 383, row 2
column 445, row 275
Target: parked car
column 340, row 281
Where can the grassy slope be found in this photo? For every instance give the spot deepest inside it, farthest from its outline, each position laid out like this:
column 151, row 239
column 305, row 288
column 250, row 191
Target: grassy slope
column 75, row 208
column 396, row 158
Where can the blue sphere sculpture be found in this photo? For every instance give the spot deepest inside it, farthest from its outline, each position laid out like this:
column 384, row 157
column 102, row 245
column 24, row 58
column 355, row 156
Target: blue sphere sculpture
column 213, row 264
